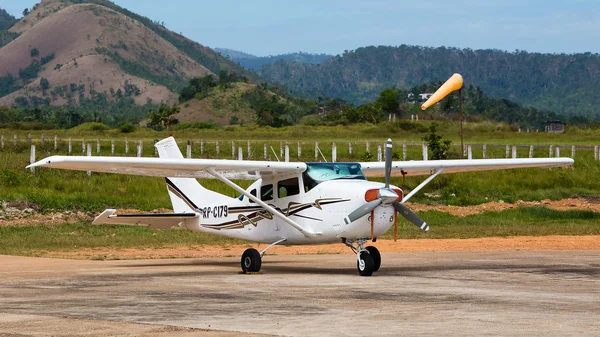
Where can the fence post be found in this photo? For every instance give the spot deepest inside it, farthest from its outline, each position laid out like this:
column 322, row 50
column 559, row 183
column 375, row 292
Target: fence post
column 464, row 150
column 281, row 149
column 379, row 153
column 55, row 142
column 139, row 149
column 265, row 151
column 98, row 145
column 287, row 153
column 333, row 153
column 240, row 153
column 249, row 150
column 29, row 139
column 70, row 145
column 350, row 148
column 89, row 154
column 43, row 139
column 484, row 151
column 2, row 141
column 217, row 147
column 469, row 152
column 514, row 152
column 596, row 152
column 507, row 151
column 201, row 147
column 299, row 150
column 189, row 149
column 83, row 145
column 550, row 151
column 368, row 147
column 15, row 139
column 531, row 151
column 112, row 146
column 32, row 157
column 316, row 151
column 233, row 149
column 573, row 151
column 404, row 153
column 557, row 152
column 126, row 146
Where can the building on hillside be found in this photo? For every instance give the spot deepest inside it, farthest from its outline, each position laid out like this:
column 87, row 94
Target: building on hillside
column 422, row 97
column 555, row 126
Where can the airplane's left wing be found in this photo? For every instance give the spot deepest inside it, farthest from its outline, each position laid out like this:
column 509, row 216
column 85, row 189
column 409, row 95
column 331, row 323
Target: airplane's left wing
column 169, row 167
column 426, row 167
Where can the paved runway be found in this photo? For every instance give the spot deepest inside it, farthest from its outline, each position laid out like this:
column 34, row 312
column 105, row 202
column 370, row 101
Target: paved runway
column 442, row 294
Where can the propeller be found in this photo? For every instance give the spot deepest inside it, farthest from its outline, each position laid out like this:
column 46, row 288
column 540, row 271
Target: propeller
column 386, row 195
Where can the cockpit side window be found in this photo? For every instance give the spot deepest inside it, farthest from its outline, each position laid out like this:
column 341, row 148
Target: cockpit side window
column 253, row 193
column 288, row 187
column 266, row 192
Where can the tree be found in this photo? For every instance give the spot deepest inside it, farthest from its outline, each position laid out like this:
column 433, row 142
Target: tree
column 438, row 146
column 25, row 11
column 44, row 83
column 388, row 99
column 163, row 117
column 34, row 52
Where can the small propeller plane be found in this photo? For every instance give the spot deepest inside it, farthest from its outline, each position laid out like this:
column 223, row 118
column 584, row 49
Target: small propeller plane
column 291, row 203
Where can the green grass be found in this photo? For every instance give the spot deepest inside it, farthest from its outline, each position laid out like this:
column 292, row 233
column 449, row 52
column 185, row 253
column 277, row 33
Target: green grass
column 524, row 221
column 532, row 221
column 32, row 240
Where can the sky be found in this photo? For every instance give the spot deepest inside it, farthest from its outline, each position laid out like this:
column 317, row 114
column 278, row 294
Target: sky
column 272, row 27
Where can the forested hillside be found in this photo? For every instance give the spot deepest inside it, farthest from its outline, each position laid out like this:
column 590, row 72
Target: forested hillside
column 567, row 84
column 253, row 62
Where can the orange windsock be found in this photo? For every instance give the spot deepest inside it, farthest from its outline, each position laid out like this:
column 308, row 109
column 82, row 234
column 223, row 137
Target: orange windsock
column 452, row 84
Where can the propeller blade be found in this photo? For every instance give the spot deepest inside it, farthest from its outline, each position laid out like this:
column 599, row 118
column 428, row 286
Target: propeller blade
column 388, row 162
column 362, row 211
column 411, row 216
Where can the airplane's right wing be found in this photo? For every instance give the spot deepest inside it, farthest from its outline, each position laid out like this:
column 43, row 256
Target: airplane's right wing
column 426, row 167
column 152, row 220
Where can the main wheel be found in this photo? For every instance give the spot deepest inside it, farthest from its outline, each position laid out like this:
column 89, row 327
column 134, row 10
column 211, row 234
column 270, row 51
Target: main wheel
column 251, row 261
column 376, row 257
column 365, row 264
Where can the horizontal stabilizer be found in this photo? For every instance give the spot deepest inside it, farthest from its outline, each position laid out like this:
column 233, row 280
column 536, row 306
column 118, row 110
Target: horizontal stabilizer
column 152, row 220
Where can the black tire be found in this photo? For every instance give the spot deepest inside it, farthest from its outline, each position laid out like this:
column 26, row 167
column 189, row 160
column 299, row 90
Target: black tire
column 366, row 267
column 376, row 257
column 251, row 261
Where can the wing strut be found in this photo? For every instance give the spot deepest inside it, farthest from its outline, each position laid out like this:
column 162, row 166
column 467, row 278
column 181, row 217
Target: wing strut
column 261, row 203
column 425, row 182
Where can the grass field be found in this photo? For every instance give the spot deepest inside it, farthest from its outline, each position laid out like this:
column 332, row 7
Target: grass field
column 531, row 221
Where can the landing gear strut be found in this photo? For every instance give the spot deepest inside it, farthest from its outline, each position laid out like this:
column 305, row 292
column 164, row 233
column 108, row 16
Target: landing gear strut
column 368, row 260
column 252, row 259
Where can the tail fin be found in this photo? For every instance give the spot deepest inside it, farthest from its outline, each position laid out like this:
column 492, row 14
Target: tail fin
column 186, row 193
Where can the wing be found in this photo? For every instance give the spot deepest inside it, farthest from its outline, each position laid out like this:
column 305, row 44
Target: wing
column 426, row 167
column 169, row 167
column 153, row 220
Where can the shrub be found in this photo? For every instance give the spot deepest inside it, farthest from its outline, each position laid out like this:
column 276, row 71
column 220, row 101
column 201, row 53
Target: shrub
column 126, row 128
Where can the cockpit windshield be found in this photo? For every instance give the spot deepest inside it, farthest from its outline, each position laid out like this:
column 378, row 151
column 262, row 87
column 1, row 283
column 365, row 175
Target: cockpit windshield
column 320, row 172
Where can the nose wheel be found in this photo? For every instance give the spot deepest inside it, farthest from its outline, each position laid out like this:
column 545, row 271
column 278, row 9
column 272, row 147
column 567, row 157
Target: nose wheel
column 368, row 259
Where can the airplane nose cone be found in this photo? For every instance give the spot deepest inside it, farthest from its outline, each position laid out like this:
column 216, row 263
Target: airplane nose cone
column 387, row 195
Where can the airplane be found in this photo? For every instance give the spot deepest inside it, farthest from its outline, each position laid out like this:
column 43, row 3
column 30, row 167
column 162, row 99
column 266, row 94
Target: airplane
column 290, row 203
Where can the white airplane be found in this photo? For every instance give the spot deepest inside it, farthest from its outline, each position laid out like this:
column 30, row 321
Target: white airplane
column 290, row 203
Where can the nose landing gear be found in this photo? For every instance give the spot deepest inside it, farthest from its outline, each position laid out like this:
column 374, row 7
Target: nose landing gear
column 368, row 260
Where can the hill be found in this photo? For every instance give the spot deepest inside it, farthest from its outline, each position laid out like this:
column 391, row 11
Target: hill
column 563, row 83
column 95, row 53
column 253, row 62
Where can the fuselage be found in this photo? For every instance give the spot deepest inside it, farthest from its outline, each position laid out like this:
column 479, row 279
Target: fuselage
column 318, row 206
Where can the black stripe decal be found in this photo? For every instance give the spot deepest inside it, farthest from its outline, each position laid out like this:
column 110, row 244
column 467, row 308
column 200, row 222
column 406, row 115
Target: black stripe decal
column 185, row 197
column 158, row 215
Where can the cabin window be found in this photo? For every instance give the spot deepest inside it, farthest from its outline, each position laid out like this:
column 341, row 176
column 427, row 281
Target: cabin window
column 253, row 193
column 288, row 187
column 266, row 192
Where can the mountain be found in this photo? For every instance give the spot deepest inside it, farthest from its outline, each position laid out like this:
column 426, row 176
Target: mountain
column 95, row 53
column 253, row 62
column 564, row 83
